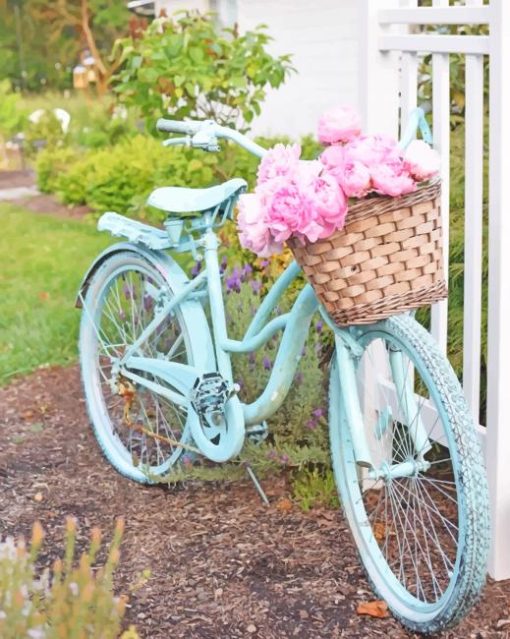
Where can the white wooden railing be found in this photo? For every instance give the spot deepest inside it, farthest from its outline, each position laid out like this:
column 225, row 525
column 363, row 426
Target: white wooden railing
column 390, row 51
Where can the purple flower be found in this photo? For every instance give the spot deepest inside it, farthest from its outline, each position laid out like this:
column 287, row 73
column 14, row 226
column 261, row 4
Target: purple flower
column 223, row 264
column 318, row 412
column 256, row 286
column 264, row 263
column 197, row 267
column 319, row 326
column 186, row 460
column 128, row 292
column 284, row 459
column 148, row 302
column 233, row 281
column 246, row 271
column 311, row 424
column 267, row 363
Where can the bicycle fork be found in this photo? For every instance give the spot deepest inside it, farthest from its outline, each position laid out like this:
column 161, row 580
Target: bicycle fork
column 348, row 353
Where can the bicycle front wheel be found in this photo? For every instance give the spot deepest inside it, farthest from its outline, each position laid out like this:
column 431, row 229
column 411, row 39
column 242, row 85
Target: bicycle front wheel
column 420, row 517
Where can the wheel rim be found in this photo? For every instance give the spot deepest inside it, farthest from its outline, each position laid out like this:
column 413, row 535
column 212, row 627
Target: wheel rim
column 409, row 529
column 139, row 428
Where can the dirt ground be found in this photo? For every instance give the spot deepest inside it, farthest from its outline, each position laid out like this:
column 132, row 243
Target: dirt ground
column 42, row 202
column 223, row 564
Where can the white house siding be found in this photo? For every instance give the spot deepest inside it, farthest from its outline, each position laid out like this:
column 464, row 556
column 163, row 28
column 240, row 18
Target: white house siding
column 323, row 38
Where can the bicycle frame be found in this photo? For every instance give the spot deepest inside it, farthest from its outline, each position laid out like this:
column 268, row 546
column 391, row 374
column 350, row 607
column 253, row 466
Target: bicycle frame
column 294, row 324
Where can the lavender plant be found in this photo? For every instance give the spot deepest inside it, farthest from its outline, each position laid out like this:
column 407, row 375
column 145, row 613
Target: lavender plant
column 69, row 601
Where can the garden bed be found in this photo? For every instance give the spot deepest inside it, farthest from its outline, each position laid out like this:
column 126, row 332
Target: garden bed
column 222, row 564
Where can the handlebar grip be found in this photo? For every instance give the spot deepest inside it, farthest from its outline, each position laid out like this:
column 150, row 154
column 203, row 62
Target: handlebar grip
column 178, row 126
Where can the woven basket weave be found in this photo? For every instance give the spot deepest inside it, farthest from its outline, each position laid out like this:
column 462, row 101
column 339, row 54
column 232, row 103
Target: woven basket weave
column 386, row 260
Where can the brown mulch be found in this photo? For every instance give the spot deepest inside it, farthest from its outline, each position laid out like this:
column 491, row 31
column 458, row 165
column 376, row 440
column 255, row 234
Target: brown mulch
column 223, row 565
column 13, row 179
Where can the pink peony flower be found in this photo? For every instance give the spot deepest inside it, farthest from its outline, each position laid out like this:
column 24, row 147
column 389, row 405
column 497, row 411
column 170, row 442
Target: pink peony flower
column 340, row 124
column 253, row 231
column 332, row 157
column 388, row 180
column 421, row 161
column 287, row 210
column 280, row 160
column 373, row 150
column 329, row 202
column 355, row 179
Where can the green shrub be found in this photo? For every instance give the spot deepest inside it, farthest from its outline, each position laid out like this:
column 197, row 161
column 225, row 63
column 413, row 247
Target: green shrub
column 51, row 164
column 11, row 112
column 120, row 177
column 71, row 600
column 189, row 67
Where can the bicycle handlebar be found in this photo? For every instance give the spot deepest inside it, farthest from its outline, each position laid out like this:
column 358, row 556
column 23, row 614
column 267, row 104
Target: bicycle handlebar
column 205, row 133
column 189, row 127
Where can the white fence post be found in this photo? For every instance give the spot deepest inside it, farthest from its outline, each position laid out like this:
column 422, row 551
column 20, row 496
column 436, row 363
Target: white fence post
column 379, row 72
column 498, row 376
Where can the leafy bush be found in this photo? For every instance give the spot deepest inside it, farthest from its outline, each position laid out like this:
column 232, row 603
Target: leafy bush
column 51, row 164
column 121, row 177
column 11, row 113
column 189, row 67
column 70, row 601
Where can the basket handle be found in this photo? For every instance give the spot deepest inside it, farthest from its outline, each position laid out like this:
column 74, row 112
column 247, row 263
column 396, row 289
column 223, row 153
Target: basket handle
column 416, row 120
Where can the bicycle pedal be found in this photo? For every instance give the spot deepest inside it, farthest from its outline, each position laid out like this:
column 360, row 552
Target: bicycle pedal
column 257, row 433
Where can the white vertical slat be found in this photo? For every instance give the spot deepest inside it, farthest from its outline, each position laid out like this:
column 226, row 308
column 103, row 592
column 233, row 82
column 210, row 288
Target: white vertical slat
column 441, row 129
column 498, row 373
column 473, row 228
column 408, row 86
column 409, row 76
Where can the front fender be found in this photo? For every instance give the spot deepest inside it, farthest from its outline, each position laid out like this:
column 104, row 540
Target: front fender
column 165, row 264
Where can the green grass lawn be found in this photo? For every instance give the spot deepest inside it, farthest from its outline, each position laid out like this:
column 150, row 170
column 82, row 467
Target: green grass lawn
column 43, row 259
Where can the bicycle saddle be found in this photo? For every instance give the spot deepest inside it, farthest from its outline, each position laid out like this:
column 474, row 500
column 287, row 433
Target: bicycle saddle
column 177, row 199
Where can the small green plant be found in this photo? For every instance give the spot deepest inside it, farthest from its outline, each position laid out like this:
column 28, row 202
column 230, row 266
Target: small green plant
column 187, row 66
column 315, row 487
column 73, row 600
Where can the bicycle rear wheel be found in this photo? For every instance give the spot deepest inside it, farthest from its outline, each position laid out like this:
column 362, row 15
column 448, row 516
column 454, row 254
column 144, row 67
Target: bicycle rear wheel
column 420, row 521
column 142, row 434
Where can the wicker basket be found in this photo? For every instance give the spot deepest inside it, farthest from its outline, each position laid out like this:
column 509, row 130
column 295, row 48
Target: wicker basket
column 386, row 260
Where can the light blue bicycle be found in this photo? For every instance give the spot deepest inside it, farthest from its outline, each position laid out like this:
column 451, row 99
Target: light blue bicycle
column 158, row 380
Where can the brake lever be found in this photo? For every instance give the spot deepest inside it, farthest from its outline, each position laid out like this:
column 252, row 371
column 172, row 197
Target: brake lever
column 187, row 141
column 206, row 140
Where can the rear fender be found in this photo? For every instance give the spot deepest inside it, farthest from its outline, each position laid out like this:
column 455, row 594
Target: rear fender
column 192, row 311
